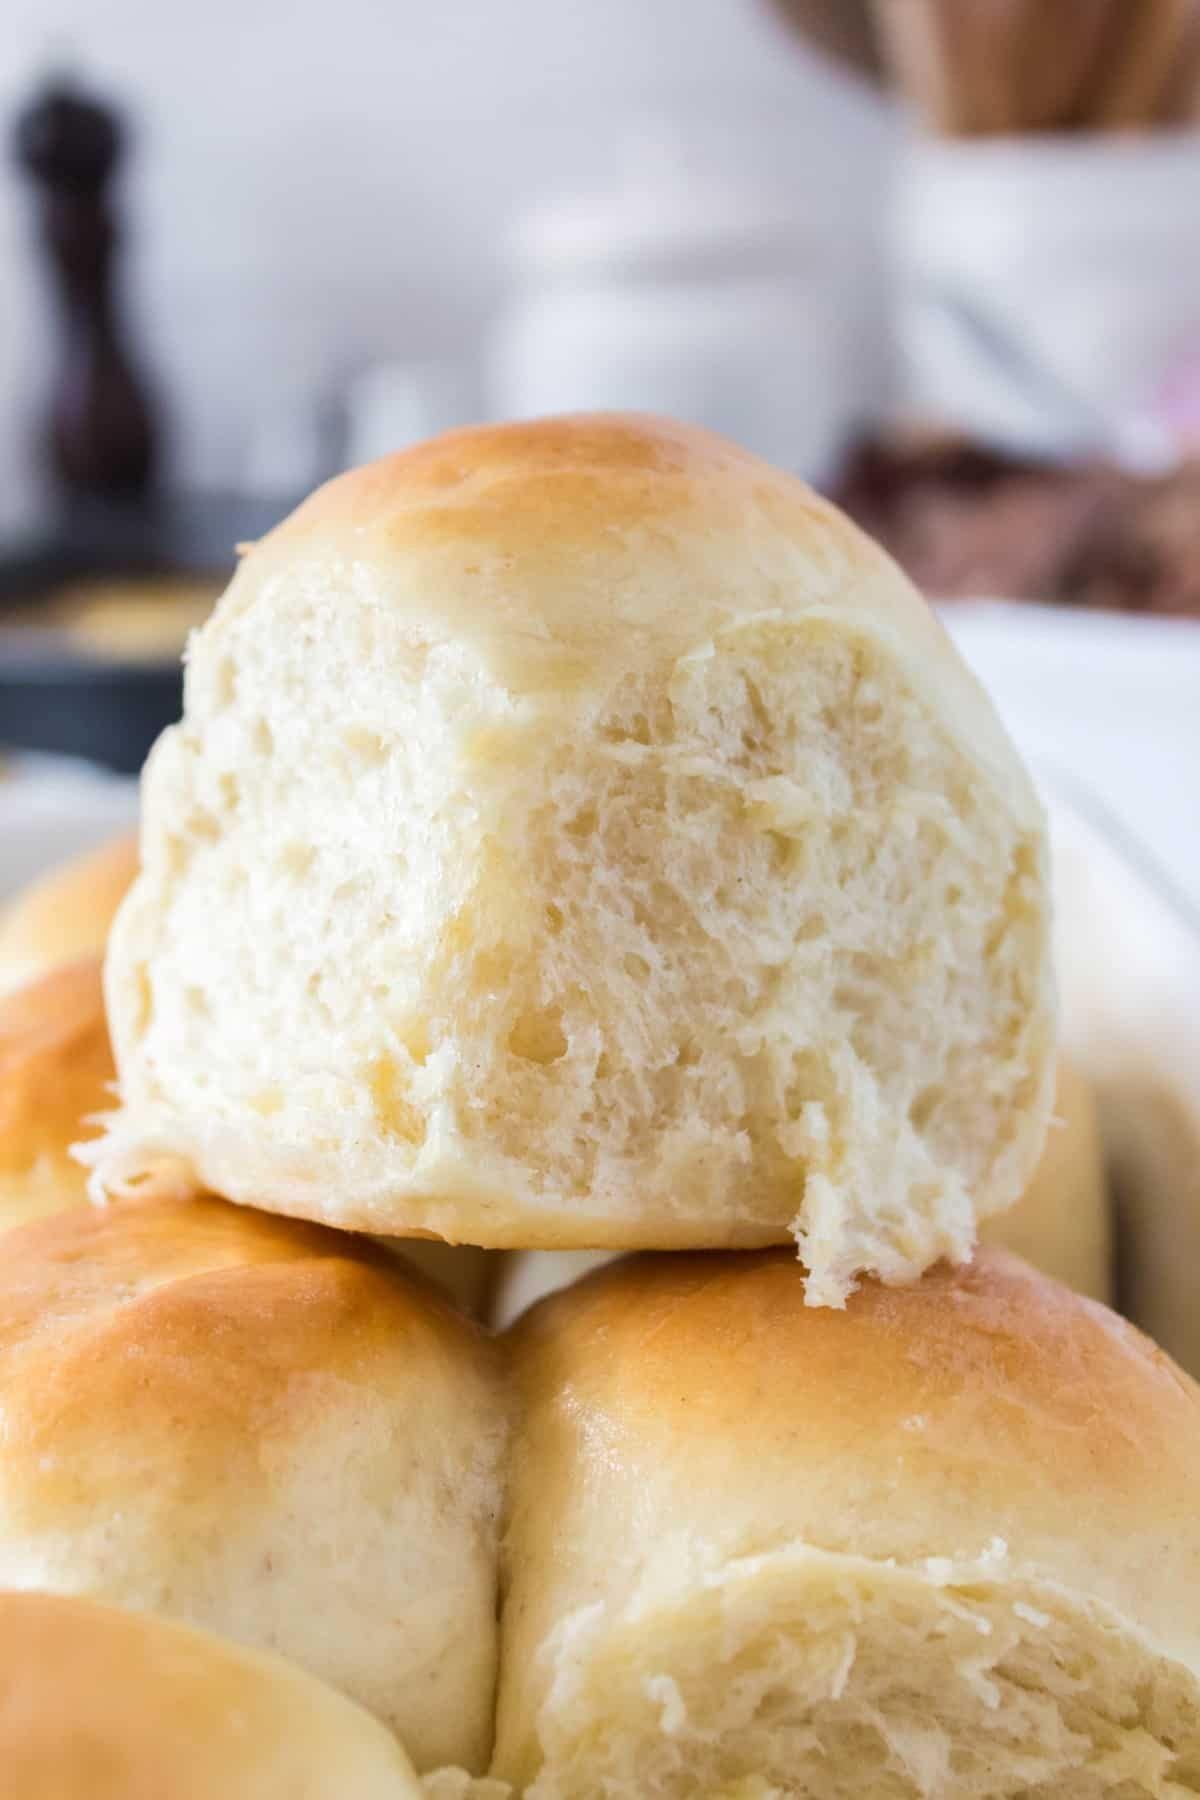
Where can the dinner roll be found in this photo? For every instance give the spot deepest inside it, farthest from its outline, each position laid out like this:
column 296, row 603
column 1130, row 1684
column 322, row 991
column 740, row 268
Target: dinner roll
column 98, row 1704
column 940, row 1545
column 579, row 834
column 1128, row 953
column 56, row 1074
column 1060, row 1224
column 66, row 914
column 266, row 1429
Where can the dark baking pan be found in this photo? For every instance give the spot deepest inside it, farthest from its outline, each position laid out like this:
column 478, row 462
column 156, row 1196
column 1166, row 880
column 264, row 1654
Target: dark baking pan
column 75, row 694
column 108, row 713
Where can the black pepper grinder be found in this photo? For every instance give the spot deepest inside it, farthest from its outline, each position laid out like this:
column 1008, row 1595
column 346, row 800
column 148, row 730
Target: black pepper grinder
column 99, row 430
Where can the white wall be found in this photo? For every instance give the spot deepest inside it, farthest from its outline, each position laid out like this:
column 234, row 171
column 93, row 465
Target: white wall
column 322, row 182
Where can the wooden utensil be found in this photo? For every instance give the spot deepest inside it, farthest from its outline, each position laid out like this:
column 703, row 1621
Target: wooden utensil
column 912, row 34
column 1011, row 67
column 1064, row 53
column 844, row 29
column 1140, row 75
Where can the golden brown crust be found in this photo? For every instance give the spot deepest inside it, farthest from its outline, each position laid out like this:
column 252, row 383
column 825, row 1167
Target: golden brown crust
column 680, row 1412
column 97, row 1704
column 91, row 1303
column 56, row 1074
column 560, row 501
column 67, row 914
column 266, row 1428
column 720, row 1353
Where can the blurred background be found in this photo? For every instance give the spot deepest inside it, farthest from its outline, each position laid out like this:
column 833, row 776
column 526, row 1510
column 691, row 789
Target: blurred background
column 311, row 192
column 942, row 257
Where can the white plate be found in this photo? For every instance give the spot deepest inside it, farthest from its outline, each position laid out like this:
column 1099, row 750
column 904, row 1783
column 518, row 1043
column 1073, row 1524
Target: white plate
column 52, row 809
column 1107, row 705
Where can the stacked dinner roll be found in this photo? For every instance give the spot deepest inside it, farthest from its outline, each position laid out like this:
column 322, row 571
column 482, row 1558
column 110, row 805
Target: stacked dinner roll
column 579, row 835
column 265, row 1429
column 56, row 1064
column 56, row 1076
column 1128, row 952
column 943, row 1542
column 98, row 1704
column 579, row 844
column 67, row 915
column 1061, row 1223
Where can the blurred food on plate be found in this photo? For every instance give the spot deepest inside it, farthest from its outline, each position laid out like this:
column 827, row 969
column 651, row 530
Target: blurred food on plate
column 1045, row 248
column 968, row 520
column 992, row 67
column 137, row 618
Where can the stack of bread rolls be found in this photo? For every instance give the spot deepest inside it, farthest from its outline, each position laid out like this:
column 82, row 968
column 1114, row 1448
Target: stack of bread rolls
column 580, row 846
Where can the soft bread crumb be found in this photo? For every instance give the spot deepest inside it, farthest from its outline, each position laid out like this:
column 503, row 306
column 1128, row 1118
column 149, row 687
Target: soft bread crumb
column 807, row 1673
column 580, row 836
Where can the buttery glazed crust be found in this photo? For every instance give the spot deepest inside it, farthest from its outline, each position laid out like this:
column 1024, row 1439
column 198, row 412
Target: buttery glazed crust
column 264, row 1428
column 98, row 1704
